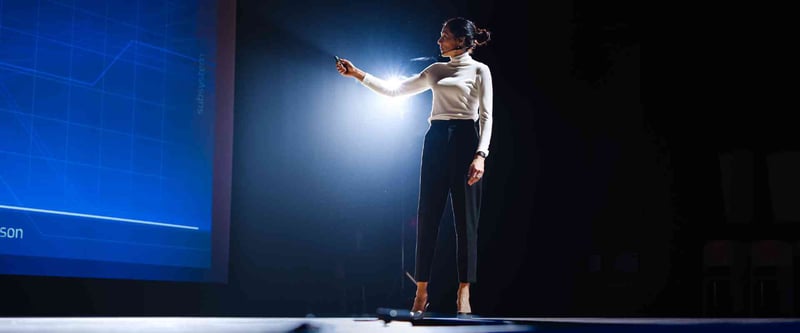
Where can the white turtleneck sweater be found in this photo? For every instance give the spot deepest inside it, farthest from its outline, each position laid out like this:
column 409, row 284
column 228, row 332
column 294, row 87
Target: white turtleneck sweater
column 462, row 89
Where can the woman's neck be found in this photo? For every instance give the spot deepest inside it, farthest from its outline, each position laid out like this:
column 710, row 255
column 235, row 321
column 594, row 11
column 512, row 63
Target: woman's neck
column 458, row 58
column 457, row 54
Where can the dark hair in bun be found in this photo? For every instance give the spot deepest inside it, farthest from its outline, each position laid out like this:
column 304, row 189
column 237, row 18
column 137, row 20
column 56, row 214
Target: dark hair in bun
column 482, row 36
column 473, row 36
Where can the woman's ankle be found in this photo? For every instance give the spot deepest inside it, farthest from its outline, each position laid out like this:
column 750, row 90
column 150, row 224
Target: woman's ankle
column 422, row 289
column 462, row 301
column 463, row 288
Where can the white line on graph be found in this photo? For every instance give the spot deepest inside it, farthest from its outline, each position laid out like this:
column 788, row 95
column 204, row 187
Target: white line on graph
column 99, row 217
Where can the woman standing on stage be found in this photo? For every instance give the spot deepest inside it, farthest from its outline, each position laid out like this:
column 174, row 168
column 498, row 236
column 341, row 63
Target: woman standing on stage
column 454, row 150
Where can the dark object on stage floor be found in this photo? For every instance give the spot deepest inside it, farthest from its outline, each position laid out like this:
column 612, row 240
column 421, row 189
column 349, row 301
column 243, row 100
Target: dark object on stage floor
column 388, row 315
column 305, row 328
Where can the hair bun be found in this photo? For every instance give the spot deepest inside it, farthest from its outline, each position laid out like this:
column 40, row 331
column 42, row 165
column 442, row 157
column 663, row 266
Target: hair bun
column 482, row 36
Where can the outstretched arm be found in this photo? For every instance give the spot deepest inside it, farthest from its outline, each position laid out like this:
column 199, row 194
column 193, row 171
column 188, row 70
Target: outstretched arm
column 412, row 85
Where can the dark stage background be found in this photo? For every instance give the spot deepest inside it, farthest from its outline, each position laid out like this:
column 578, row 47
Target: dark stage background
column 593, row 205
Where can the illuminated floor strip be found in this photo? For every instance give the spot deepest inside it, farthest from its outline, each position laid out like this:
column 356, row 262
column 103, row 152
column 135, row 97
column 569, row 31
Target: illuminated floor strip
column 99, row 217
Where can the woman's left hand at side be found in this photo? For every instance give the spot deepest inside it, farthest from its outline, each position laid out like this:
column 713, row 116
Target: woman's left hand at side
column 475, row 170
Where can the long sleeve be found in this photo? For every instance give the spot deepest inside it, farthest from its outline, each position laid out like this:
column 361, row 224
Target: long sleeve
column 410, row 86
column 485, row 108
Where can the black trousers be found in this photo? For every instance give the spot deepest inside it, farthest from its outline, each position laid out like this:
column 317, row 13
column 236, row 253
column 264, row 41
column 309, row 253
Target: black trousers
column 447, row 153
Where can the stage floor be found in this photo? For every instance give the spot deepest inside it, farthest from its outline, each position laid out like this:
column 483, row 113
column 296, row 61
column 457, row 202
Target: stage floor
column 355, row 325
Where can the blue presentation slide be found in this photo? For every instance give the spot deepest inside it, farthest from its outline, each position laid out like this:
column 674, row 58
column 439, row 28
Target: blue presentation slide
column 107, row 137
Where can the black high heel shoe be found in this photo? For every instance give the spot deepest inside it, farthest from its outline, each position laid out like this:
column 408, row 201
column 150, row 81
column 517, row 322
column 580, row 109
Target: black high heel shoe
column 419, row 314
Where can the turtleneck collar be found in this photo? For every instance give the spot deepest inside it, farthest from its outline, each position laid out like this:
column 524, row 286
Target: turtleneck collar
column 464, row 57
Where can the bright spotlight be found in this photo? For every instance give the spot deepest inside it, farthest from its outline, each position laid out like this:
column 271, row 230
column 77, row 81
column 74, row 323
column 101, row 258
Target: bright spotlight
column 394, row 104
column 394, row 82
